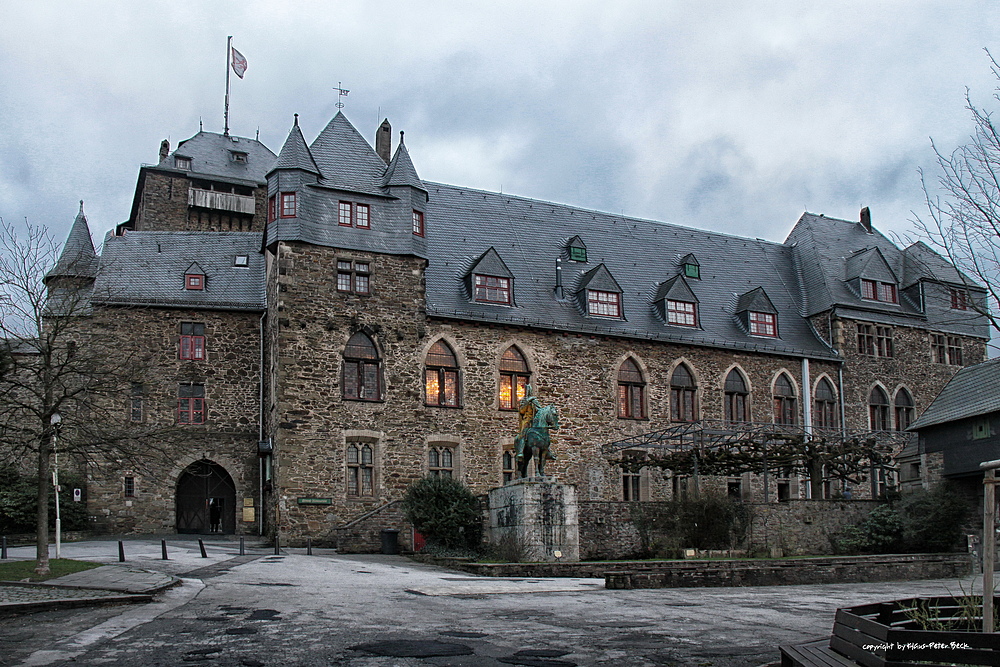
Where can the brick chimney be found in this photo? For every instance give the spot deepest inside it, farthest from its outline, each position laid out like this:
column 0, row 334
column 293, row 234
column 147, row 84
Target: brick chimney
column 866, row 219
column 164, row 149
column 383, row 141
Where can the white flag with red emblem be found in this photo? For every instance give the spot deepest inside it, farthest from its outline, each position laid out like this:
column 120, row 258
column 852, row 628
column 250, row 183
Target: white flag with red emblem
column 239, row 63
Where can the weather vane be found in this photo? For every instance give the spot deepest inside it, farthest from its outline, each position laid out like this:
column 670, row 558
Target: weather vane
column 341, row 93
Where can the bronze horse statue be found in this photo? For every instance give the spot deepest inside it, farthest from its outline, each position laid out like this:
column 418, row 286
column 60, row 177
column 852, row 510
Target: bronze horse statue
column 535, row 440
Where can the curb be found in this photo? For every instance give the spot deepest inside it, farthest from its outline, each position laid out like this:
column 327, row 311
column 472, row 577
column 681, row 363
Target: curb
column 15, row 608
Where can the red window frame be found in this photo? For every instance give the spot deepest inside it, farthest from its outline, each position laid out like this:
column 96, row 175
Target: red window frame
column 869, row 290
column 362, row 216
column 272, row 208
column 289, row 205
column 193, row 347
column 887, row 293
column 682, row 313
column 345, row 215
column 872, row 290
column 418, row 223
column 603, row 304
column 191, row 409
column 959, row 299
column 195, row 281
column 491, row 289
column 763, row 324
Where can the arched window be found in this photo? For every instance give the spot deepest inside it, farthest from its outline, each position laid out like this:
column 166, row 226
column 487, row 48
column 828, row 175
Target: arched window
column 441, row 376
column 785, row 407
column 360, row 469
column 682, row 395
column 878, row 410
column 736, row 395
column 904, row 409
column 362, row 378
column 631, row 391
column 825, row 409
column 441, row 461
column 514, row 377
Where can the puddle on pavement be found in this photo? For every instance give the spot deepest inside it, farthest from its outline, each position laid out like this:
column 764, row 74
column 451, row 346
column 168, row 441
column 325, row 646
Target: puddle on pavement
column 414, row 648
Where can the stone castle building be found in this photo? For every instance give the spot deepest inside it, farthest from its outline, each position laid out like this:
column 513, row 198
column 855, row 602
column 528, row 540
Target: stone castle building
column 324, row 327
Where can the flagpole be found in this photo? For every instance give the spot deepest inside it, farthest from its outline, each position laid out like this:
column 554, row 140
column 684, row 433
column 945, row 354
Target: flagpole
column 229, row 51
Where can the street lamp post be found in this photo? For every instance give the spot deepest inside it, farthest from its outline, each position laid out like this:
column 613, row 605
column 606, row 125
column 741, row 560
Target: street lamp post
column 989, row 538
column 56, row 421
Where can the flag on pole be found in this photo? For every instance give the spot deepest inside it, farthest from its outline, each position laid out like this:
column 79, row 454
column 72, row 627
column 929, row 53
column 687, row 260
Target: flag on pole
column 239, row 63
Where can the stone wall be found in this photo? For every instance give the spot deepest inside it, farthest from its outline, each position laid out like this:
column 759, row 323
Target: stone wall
column 163, row 206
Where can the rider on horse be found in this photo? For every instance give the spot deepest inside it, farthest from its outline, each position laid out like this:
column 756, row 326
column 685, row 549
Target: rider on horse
column 527, row 408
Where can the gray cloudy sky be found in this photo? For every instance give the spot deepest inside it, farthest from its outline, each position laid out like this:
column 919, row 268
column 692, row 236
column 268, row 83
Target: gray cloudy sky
column 726, row 115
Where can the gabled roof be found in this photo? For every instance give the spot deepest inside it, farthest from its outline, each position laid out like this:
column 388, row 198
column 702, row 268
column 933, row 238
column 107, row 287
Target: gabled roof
column 194, row 270
column 490, row 264
column 756, row 301
column 211, row 158
column 294, row 154
column 78, row 258
column 401, row 171
column 920, row 262
column 148, row 268
column 690, row 259
column 346, row 160
column 676, row 289
column 971, row 392
column 870, row 264
column 598, row 278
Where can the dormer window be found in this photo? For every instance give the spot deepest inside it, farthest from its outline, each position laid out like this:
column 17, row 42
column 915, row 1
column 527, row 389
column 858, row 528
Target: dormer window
column 239, row 157
column 182, row 163
column 194, row 281
column 873, row 290
column 763, row 324
column 603, row 304
column 959, row 299
column 576, row 249
column 682, row 313
column 492, row 289
column 690, row 267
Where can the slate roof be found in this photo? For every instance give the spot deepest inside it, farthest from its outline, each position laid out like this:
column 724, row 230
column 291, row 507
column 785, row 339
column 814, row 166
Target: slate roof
column 294, row 154
column 211, row 158
column 971, row 392
column 78, row 258
column 639, row 255
column 346, row 160
column 401, row 170
column 147, row 269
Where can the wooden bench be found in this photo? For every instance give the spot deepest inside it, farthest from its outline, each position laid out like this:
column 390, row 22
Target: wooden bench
column 813, row 654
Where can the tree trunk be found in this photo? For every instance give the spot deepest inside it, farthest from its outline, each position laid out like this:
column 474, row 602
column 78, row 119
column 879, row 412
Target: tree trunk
column 816, row 479
column 42, row 526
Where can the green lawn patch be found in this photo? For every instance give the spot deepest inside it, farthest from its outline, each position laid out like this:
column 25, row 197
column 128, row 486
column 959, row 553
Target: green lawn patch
column 25, row 569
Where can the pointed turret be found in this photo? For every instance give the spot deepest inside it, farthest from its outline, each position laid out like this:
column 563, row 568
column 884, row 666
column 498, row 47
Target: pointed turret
column 78, row 258
column 401, row 171
column 295, row 154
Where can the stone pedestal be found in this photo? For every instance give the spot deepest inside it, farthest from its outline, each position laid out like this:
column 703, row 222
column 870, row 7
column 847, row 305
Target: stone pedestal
column 540, row 514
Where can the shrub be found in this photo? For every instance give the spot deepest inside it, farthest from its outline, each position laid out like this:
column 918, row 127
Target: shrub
column 19, row 503
column 445, row 511
column 710, row 521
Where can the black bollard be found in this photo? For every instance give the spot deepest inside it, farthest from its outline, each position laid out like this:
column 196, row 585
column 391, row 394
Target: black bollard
column 277, row 549
column 242, row 551
column 121, row 551
column 201, row 545
column 309, row 546
column 163, row 549
column 3, row 548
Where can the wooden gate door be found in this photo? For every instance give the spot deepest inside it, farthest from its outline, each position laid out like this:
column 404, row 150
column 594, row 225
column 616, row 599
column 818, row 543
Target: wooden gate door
column 202, row 484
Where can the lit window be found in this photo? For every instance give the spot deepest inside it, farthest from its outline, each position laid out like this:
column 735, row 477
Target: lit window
column 682, row 313
column 360, row 469
column 418, row 223
column 362, row 376
column 492, row 289
column 440, row 462
column 514, row 378
column 194, row 281
column 346, row 219
column 682, row 395
column 736, row 395
column 959, row 299
column 182, row 163
column 785, row 406
column 362, row 216
column 603, row 304
column 353, row 276
column 192, row 344
column 873, row 290
column 763, row 324
column 631, row 391
column 878, row 410
column 288, row 205
column 441, row 376
column 191, row 404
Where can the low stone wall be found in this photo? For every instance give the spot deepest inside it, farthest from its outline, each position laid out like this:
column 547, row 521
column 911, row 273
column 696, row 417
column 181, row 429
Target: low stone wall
column 364, row 535
column 782, row 572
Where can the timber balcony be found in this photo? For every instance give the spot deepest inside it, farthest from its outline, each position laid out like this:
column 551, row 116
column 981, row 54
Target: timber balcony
column 221, row 201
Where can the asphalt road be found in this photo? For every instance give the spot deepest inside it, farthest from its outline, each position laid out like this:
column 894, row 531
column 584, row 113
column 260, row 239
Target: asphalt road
column 326, row 609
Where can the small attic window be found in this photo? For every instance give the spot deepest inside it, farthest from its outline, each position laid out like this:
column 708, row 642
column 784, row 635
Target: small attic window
column 242, row 260
column 578, row 254
column 182, row 162
column 194, row 281
column 690, row 267
column 239, row 156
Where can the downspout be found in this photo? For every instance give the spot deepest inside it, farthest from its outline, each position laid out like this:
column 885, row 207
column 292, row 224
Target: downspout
column 260, row 433
column 806, row 398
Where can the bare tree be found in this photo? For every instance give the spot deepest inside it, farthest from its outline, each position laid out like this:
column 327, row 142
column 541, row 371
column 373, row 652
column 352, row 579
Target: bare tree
column 60, row 385
column 962, row 221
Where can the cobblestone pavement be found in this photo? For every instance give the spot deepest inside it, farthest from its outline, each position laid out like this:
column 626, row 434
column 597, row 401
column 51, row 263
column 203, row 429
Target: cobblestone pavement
column 27, row 593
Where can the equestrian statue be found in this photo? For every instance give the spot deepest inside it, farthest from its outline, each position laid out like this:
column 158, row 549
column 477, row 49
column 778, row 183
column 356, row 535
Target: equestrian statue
column 533, row 438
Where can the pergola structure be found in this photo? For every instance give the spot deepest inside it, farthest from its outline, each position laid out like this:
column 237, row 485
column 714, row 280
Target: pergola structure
column 715, row 447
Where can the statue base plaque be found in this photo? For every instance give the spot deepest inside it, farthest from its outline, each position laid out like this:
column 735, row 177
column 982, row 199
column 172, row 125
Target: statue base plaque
column 540, row 515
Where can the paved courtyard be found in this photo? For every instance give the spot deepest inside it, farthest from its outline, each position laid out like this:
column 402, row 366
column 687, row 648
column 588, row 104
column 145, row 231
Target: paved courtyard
column 373, row 610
